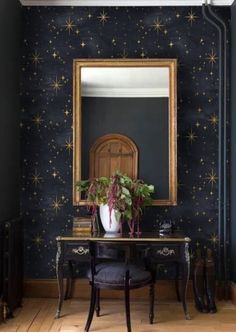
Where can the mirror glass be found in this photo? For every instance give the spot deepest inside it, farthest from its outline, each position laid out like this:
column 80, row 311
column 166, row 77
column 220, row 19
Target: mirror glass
column 131, row 100
column 132, row 82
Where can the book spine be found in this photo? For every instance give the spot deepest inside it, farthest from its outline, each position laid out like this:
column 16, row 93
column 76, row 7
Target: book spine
column 82, row 225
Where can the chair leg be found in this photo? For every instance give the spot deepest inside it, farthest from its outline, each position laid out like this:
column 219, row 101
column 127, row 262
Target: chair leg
column 98, row 303
column 151, row 302
column 127, row 305
column 91, row 308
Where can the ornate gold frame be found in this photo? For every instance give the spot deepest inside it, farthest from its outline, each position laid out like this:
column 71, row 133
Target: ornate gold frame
column 172, row 65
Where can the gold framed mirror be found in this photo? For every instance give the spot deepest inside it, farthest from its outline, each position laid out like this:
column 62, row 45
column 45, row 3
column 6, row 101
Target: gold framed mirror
column 131, row 97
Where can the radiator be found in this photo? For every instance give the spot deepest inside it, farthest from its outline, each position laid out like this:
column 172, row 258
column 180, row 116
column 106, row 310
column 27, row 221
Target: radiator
column 11, row 266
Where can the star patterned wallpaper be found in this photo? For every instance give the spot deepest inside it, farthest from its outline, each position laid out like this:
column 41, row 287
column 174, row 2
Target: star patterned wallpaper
column 53, row 37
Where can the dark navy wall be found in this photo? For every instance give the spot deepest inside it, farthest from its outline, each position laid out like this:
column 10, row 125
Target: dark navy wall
column 10, row 39
column 144, row 120
column 53, row 37
column 233, row 139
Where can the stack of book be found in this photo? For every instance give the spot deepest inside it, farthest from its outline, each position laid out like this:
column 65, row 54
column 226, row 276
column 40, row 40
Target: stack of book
column 82, row 225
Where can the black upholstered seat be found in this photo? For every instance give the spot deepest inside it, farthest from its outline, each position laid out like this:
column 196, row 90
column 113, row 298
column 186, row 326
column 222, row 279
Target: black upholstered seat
column 114, row 273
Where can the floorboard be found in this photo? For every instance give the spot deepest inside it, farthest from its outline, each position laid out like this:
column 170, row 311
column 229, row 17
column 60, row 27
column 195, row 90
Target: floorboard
column 37, row 315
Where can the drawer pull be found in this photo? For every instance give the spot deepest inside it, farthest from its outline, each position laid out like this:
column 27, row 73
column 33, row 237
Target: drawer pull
column 80, row 251
column 166, row 252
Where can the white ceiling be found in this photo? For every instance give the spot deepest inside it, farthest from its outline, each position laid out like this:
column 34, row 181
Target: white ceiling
column 125, row 82
column 124, row 2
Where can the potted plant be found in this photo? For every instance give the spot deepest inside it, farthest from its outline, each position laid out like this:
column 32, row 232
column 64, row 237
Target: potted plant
column 119, row 198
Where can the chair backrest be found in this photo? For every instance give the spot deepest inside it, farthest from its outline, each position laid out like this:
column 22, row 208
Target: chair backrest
column 111, row 251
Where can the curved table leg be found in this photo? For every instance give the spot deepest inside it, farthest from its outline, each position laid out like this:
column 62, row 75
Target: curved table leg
column 98, row 303
column 177, row 283
column 59, row 271
column 185, row 279
column 69, row 281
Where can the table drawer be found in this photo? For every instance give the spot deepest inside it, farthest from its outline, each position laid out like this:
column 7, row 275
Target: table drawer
column 164, row 252
column 77, row 251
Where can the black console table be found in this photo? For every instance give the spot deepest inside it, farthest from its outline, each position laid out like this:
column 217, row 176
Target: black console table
column 169, row 249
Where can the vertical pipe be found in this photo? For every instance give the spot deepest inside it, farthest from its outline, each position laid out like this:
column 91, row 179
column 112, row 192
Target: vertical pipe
column 226, row 230
column 209, row 19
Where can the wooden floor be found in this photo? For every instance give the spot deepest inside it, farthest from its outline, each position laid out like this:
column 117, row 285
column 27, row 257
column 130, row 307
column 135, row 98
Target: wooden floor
column 38, row 315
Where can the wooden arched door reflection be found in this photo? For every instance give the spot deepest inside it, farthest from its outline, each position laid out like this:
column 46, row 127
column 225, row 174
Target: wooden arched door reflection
column 113, row 152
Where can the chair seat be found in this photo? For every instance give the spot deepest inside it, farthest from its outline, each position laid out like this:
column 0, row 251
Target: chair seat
column 114, row 274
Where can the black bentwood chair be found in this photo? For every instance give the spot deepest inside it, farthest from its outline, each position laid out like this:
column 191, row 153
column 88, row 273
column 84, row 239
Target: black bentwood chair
column 111, row 267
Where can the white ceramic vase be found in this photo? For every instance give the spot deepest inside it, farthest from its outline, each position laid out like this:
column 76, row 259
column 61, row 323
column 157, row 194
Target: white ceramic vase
column 110, row 225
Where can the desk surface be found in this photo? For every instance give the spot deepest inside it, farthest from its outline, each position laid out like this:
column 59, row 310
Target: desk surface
column 143, row 237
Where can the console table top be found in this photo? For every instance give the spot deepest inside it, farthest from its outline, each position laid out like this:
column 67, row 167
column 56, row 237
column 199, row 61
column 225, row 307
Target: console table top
column 142, row 237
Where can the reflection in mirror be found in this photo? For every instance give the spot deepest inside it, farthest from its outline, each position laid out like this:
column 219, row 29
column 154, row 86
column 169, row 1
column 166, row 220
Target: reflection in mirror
column 118, row 102
column 132, row 82
column 111, row 153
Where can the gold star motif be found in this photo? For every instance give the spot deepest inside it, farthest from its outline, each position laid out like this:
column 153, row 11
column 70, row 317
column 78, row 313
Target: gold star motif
column 191, row 136
column 38, row 240
column 69, row 25
column 36, row 178
column 157, row 26
column 69, row 146
column 177, row 15
column 36, row 59
column 54, row 55
column 212, row 178
column 213, row 120
column 124, row 54
column 56, row 205
column 214, row 239
column 191, row 17
column 82, row 44
column 171, row 44
column 212, row 58
column 54, row 174
column 103, row 17
column 56, row 85
column 179, row 184
column 37, row 120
